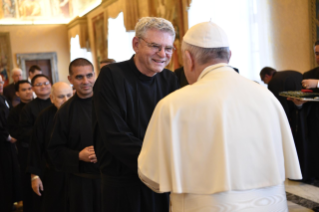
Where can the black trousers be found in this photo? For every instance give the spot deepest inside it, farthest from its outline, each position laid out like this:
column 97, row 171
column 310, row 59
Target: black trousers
column 84, row 194
column 131, row 195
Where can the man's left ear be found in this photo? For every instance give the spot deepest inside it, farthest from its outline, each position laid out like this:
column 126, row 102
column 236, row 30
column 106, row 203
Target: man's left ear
column 135, row 43
column 70, row 80
column 51, row 98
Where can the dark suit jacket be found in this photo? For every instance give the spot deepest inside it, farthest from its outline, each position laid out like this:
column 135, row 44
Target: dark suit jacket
column 10, row 94
column 285, row 81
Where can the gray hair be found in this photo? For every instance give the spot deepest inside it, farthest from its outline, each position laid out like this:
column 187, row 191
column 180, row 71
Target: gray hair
column 205, row 55
column 16, row 70
column 147, row 23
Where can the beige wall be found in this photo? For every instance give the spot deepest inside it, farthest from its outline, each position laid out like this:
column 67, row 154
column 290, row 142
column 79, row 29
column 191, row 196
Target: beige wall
column 291, row 34
column 41, row 38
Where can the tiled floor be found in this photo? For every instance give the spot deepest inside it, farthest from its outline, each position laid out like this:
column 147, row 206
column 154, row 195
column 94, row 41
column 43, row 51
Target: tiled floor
column 301, row 197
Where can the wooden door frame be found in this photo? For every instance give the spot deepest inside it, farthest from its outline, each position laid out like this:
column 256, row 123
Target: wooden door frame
column 52, row 56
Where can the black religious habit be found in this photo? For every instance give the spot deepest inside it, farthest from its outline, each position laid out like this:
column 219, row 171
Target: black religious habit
column 28, row 116
column 72, row 132
column 54, row 195
column 123, row 103
column 10, row 181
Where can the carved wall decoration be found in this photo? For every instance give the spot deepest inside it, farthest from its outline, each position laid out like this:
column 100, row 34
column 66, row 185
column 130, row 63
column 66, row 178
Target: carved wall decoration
column 5, row 57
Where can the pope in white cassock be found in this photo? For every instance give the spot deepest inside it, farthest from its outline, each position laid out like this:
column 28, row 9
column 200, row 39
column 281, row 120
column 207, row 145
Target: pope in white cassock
column 222, row 143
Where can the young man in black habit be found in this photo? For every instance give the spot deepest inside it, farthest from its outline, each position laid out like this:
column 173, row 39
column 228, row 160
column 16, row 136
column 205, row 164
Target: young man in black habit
column 42, row 88
column 45, row 180
column 10, row 188
column 23, row 90
column 71, row 146
column 125, row 96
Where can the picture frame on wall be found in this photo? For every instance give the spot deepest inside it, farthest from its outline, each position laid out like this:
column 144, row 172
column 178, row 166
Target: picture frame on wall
column 6, row 64
column 314, row 27
column 100, row 38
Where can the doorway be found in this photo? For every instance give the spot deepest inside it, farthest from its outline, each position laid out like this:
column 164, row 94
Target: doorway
column 45, row 66
column 47, row 61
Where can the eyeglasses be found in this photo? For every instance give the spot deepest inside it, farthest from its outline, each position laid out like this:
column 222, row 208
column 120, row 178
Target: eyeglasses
column 42, row 83
column 1, row 82
column 157, row 48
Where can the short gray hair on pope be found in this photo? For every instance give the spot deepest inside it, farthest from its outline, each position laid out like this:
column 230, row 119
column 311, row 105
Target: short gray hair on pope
column 147, row 23
column 205, row 55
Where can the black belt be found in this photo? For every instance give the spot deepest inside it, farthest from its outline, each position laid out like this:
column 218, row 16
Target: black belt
column 120, row 181
column 86, row 175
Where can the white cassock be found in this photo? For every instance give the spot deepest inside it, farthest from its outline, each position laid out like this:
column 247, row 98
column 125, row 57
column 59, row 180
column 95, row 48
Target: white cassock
column 224, row 135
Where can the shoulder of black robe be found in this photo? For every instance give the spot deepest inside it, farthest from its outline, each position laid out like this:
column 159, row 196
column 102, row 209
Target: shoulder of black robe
column 37, row 158
column 28, row 116
column 181, row 76
column 13, row 119
column 72, row 132
column 285, row 81
column 123, row 102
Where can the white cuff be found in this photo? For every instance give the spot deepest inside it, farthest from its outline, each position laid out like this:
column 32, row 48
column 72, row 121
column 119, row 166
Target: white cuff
column 318, row 84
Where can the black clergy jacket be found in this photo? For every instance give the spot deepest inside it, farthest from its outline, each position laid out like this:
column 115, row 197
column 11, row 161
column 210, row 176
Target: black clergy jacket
column 28, row 116
column 72, row 132
column 123, row 103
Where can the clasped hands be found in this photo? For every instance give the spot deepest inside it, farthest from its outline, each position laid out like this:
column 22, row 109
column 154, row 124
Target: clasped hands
column 88, row 155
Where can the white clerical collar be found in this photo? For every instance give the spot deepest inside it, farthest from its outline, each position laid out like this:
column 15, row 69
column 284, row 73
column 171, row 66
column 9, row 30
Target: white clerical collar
column 211, row 68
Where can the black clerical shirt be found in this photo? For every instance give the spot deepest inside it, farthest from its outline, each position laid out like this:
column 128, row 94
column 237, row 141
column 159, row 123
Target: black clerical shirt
column 72, row 132
column 123, row 103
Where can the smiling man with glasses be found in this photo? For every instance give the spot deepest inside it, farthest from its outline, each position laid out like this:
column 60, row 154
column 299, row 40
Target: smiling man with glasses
column 125, row 95
column 42, row 88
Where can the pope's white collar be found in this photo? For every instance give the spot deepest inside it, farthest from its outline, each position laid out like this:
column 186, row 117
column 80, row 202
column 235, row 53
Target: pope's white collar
column 211, row 68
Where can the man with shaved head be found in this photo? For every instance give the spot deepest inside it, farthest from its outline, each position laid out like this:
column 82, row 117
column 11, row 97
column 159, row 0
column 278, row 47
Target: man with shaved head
column 9, row 90
column 71, row 146
column 46, row 181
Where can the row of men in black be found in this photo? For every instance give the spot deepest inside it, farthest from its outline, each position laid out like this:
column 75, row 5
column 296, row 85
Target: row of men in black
column 13, row 186
column 125, row 95
column 303, row 118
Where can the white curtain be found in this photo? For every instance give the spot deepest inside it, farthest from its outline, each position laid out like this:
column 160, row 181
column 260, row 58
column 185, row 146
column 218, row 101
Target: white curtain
column 77, row 52
column 246, row 24
column 119, row 41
